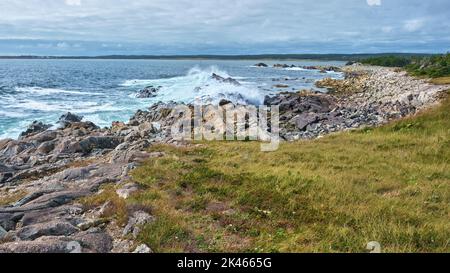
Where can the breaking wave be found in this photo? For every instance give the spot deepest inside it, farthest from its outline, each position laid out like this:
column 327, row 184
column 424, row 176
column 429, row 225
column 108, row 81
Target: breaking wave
column 199, row 86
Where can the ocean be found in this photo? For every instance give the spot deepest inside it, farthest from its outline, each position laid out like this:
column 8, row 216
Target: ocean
column 104, row 91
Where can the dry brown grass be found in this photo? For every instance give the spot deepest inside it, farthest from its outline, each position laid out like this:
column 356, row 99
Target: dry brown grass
column 10, row 198
column 441, row 80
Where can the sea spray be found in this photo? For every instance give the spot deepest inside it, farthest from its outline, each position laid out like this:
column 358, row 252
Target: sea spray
column 198, row 84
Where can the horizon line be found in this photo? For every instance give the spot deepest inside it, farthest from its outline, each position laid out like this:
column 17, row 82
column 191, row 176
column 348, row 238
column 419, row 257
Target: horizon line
column 217, row 56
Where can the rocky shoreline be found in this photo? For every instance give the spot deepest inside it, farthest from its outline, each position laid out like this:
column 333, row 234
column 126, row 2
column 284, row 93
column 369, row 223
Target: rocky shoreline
column 45, row 173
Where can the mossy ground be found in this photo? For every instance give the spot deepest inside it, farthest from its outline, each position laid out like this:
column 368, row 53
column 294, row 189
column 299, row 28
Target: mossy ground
column 389, row 184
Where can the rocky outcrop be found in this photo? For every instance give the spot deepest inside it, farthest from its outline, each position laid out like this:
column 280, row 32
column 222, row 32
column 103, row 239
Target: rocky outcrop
column 148, row 92
column 47, row 219
column 261, row 65
column 312, row 115
column 34, row 128
column 367, row 85
column 69, row 118
column 368, row 96
column 283, row 66
column 322, row 69
column 135, row 223
column 228, row 80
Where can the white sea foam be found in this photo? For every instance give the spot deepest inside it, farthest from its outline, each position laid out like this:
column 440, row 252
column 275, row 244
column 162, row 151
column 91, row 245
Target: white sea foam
column 92, row 107
column 10, row 114
column 198, row 85
column 48, row 106
column 98, row 120
column 50, row 91
column 38, row 105
column 296, row 69
column 135, row 82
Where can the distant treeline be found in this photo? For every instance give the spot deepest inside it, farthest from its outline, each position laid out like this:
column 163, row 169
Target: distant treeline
column 389, row 61
column 327, row 57
column 432, row 66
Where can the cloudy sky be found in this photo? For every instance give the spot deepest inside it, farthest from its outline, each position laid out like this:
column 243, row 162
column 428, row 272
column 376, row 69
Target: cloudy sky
column 100, row 27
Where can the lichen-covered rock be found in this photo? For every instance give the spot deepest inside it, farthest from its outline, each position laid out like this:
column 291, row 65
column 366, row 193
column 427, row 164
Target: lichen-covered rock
column 126, row 190
column 52, row 228
column 47, row 246
column 135, row 223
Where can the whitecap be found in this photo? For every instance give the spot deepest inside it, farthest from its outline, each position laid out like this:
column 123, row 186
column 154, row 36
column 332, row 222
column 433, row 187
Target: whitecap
column 10, row 114
column 49, row 91
column 98, row 120
column 135, row 82
column 296, row 69
column 91, row 107
column 37, row 105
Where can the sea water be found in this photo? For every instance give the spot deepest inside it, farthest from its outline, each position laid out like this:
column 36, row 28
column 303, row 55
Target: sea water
column 104, row 91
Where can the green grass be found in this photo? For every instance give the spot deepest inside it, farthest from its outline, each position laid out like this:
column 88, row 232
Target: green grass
column 389, row 184
column 389, row 61
column 435, row 66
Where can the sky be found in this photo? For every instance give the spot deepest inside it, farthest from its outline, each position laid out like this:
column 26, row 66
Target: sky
column 231, row 27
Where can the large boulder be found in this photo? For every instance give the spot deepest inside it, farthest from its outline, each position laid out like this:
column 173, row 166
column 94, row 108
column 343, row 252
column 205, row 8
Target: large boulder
column 53, row 228
column 224, row 102
column 282, row 66
column 69, row 118
column 94, row 241
column 135, row 223
column 34, row 128
column 261, row 65
column 43, row 137
column 50, row 245
column 148, row 92
column 8, row 221
column 46, row 147
column 228, row 80
column 68, row 146
column 6, row 172
column 99, row 142
column 298, row 103
column 303, row 120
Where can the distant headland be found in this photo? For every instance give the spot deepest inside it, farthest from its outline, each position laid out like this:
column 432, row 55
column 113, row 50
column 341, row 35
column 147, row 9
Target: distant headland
column 325, row 57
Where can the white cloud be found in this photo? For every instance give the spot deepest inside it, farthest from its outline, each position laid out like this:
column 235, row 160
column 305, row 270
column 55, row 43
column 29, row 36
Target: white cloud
column 374, row 2
column 252, row 24
column 413, row 25
column 62, row 45
column 73, row 2
column 387, row 29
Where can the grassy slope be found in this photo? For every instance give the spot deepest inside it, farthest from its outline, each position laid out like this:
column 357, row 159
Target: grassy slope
column 335, row 194
column 390, row 184
column 422, row 66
